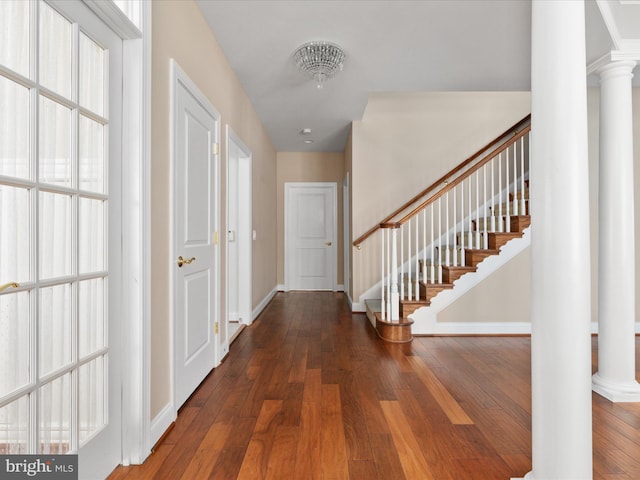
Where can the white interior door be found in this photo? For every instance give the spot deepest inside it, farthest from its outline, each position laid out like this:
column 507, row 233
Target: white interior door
column 195, row 263
column 60, row 234
column 310, row 229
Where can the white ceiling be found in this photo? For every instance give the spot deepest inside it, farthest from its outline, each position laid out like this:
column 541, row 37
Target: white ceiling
column 391, row 46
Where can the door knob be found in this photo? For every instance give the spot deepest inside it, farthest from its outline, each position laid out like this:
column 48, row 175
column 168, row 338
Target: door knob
column 185, row 261
column 9, row 285
column 328, row 244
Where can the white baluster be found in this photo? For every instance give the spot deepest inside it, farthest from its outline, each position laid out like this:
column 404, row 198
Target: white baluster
column 470, row 232
column 500, row 222
column 515, row 179
column 493, row 196
column 424, row 246
column 447, row 254
column 432, row 274
column 455, row 240
column 477, row 245
column 410, row 293
column 507, row 221
column 401, row 262
column 390, row 278
column 484, row 205
column 463, row 260
column 417, row 277
column 440, row 240
column 383, row 307
column 395, row 299
column 523, row 205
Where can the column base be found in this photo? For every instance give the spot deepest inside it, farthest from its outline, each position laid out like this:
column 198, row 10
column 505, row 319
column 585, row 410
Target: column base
column 528, row 476
column 616, row 392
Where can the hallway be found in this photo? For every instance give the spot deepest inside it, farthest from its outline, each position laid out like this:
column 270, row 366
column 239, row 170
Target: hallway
column 309, row 391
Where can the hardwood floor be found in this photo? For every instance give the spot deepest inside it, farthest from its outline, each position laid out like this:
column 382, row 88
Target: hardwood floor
column 310, row 392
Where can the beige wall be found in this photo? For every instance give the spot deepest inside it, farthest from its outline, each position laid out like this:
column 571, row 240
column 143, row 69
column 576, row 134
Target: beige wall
column 310, row 167
column 406, row 141
column 180, row 32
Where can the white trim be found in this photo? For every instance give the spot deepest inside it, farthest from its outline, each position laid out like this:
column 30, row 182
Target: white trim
column 116, row 19
column 136, row 148
column 358, row 307
column 339, row 288
column 263, row 304
column 136, row 443
column 245, row 269
column 161, row 422
column 481, row 328
column 609, row 21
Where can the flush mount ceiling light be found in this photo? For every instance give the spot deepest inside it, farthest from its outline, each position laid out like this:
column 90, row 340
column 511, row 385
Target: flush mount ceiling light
column 319, row 60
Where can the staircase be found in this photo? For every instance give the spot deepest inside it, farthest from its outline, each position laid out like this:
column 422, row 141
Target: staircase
column 461, row 220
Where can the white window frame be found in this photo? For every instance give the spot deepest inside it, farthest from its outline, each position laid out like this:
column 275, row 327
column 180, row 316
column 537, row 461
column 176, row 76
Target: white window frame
column 136, row 154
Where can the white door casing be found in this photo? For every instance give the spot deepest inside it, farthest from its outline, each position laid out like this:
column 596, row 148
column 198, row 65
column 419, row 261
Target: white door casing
column 195, row 193
column 310, row 236
column 239, row 230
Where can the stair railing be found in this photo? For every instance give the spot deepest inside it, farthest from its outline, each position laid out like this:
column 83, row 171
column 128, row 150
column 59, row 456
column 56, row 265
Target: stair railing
column 476, row 198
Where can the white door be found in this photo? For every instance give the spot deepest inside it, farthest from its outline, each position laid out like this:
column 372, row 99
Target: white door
column 60, row 234
column 195, row 261
column 310, row 243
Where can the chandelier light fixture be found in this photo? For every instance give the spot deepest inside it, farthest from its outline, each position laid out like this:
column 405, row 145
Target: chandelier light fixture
column 319, row 60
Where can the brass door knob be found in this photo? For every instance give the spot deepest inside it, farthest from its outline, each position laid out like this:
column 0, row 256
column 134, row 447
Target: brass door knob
column 185, row 261
column 9, row 285
column 328, row 244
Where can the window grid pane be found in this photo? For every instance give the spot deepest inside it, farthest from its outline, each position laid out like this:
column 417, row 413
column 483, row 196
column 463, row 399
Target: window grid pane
column 14, row 129
column 15, row 234
column 55, row 51
column 55, row 328
column 55, row 143
column 14, row 427
column 91, row 75
column 14, row 35
column 15, row 342
column 55, row 416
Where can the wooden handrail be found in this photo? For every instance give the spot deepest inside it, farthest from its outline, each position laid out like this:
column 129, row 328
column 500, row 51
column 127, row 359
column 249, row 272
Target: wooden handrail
column 461, row 178
column 510, row 131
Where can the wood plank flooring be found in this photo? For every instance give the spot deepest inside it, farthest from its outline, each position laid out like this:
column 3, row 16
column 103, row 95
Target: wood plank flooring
column 310, row 392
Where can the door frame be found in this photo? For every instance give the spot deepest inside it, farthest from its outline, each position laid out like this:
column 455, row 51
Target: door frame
column 179, row 76
column 136, row 220
column 245, row 230
column 288, row 189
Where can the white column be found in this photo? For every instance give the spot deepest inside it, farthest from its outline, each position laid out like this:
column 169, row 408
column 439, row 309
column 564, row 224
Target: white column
column 616, row 376
column 560, row 271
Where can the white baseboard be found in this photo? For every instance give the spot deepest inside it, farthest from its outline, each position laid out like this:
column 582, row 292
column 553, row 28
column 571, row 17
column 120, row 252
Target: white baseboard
column 339, row 288
column 472, row 328
column 265, row 301
column 161, row 422
column 280, row 288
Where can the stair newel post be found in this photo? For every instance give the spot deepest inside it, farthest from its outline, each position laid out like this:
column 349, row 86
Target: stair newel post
column 402, row 263
column 432, row 274
column 417, row 277
column 383, row 246
column 424, row 246
column 394, row 296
